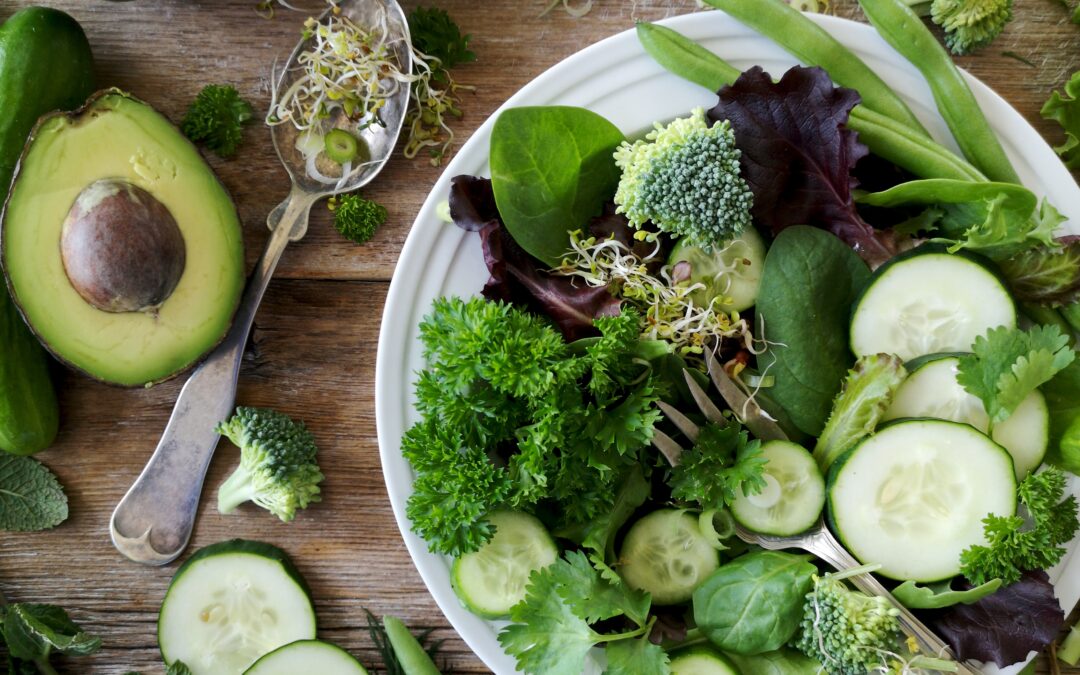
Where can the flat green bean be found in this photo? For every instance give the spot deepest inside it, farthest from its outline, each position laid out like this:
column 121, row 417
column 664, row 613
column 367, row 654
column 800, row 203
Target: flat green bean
column 885, row 137
column 904, row 30
column 813, row 45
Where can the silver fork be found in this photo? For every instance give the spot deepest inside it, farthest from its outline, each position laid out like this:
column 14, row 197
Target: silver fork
column 817, row 540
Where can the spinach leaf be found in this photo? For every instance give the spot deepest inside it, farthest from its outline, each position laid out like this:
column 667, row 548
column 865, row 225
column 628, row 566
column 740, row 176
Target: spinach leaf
column 1063, row 401
column 941, row 594
column 808, row 285
column 781, row 662
column 754, row 603
column 552, row 170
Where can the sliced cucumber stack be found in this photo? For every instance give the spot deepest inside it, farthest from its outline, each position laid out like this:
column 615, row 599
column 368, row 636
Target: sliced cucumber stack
column 929, row 301
column 731, row 272
column 701, row 661
column 666, row 554
column 492, row 580
column 229, row 604
column 307, row 656
column 931, row 390
column 913, row 496
column 793, row 496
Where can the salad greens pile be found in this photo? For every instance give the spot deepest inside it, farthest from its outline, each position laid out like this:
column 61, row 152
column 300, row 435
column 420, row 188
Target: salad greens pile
column 842, row 269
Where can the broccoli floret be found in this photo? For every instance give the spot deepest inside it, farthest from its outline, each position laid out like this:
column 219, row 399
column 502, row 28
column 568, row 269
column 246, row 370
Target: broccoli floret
column 277, row 468
column 217, row 117
column 356, row 218
column 968, row 24
column 684, row 177
column 849, row 632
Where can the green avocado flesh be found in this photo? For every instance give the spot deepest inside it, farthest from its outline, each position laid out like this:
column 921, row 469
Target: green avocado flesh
column 119, row 138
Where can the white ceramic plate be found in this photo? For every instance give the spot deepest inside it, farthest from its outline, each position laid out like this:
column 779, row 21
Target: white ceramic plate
column 616, row 79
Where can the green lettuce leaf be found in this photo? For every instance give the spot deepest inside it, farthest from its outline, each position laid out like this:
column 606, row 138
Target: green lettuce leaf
column 1065, row 109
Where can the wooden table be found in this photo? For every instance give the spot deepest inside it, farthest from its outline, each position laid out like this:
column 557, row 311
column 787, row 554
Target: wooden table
column 312, row 352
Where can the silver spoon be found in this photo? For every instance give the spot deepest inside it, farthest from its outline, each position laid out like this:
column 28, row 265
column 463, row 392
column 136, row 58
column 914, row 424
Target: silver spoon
column 153, row 522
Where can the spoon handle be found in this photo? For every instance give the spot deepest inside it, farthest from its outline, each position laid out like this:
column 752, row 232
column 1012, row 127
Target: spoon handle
column 153, row 522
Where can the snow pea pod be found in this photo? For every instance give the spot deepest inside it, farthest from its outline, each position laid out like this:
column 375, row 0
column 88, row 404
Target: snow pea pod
column 813, row 45
column 885, row 137
column 904, row 30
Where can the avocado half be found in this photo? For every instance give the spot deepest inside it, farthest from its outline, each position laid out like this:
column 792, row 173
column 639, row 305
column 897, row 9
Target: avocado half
column 120, row 246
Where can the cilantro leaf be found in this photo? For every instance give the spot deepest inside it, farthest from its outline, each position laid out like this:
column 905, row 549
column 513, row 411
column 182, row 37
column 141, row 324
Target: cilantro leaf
column 594, row 598
column 1065, row 109
column 722, row 461
column 31, row 498
column 217, row 117
column 550, row 631
column 1013, row 546
column 33, row 631
column 1007, row 364
column 636, row 657
column 435, row 34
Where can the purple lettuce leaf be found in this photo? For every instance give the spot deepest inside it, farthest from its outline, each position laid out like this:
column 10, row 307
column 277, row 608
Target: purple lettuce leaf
column 517, row 277
column 798, row 154
column 1044, row 275
column 1005, row 626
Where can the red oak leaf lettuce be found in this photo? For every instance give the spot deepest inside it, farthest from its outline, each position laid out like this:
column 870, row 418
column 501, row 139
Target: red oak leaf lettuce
column 519, row 278
column 1005, row 626
column 798, row 154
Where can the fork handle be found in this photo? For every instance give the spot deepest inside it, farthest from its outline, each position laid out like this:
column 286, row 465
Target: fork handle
column 824, row 545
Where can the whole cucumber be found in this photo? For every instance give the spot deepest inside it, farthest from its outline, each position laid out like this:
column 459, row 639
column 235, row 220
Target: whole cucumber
column 45, row 65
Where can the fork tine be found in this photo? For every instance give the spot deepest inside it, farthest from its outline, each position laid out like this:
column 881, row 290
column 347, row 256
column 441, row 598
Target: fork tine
column 712, row 413
column 680, row 420
column 671, row 450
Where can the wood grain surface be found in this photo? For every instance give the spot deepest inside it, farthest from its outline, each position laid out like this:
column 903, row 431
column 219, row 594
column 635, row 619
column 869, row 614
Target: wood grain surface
column 312, row 354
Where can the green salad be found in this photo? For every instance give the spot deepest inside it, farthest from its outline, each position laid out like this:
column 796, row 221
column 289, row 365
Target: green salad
column 899, row 323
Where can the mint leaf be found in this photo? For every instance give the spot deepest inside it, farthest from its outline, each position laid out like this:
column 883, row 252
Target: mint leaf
column 33, row 631
column 1007, row 364
column 636, row 657
column 31, row 498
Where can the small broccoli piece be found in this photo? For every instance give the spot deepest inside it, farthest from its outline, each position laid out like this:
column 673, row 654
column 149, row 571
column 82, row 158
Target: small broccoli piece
column 277, row 468
column 685, row 179
column 848, row 631
column 968, row 24
column 217, row 117
column 356, row 218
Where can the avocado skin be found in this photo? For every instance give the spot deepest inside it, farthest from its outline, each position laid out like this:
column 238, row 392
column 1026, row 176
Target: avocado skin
column 45, row 65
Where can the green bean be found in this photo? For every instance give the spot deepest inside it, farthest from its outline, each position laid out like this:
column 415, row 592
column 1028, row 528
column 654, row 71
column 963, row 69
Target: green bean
column 885, row 137
column 412, row 657
column 813, row 45
column 904, row 30
column 1046, row 316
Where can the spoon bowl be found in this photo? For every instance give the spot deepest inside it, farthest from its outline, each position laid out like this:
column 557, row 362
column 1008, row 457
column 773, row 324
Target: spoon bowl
column 152, row 523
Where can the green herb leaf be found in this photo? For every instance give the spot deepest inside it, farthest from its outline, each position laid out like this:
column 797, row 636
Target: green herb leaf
column 1014, row 547
column 636, row 657
column 435, row 34
column 594, row 598
column 721, row 463
column 941, row 594
column 31, row 498
column 551, row 170
column 1065, row 109
column 178, row 668
column 33, row 631
column 1007, row 364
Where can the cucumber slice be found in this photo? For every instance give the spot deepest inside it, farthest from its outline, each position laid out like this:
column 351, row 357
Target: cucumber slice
column 701, row 661
column 913, row 496
column 307, row 656
column 732, row 272
column 931, row 390
column 492, row 580
column 666, row 554
column 793, row 496
column 929, row 301
column 229, row 604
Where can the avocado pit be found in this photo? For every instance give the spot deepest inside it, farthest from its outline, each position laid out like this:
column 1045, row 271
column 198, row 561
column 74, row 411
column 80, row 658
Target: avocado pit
column 122, row 249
